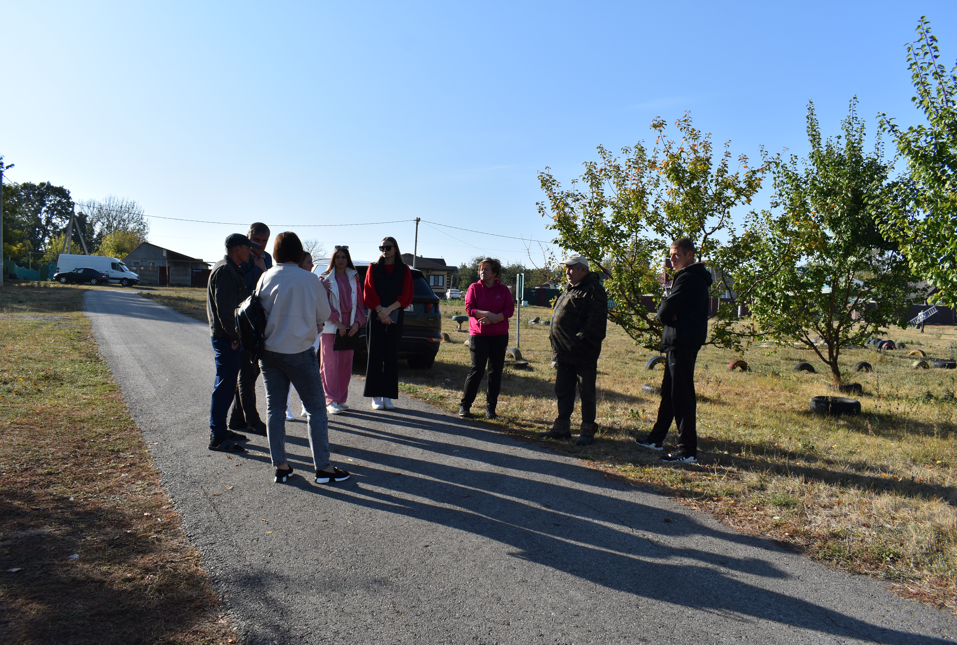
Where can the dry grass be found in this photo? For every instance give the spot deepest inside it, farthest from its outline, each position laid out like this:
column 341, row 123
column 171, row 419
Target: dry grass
column 91, row 550
column 871, row 494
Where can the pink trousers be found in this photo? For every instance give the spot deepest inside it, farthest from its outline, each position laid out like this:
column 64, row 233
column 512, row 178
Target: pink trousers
column 336, row 370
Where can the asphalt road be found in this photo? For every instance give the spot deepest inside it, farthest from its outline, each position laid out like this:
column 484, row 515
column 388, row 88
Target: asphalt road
column 449, row 532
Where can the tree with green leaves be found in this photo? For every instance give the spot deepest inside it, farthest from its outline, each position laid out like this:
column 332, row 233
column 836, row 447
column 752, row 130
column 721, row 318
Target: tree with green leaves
column 41, row 211
column 922, row 217
column 112, row 215
column 119, row 244
column 628, row 211
column 821, row 273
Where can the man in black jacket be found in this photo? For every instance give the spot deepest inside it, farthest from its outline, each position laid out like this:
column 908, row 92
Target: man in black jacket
column 225, row 291
column 684, row 314
column 245, row 414
column 576, row 333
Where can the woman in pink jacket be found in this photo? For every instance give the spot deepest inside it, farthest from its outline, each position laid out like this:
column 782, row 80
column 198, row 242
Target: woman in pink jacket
column 489, row 305
column 347, row 317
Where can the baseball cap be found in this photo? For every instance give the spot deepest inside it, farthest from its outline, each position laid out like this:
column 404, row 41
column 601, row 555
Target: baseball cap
column 574, row 259
column 239, row 240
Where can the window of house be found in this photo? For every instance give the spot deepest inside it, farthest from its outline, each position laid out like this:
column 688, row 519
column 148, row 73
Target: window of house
column 152, row 264
column 437, row 280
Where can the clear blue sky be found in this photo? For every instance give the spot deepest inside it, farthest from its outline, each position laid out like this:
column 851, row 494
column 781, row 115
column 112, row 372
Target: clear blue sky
column 305, row 114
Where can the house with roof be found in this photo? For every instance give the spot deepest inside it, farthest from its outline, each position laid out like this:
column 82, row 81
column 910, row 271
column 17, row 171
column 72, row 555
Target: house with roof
column 166, row 268
column 436, row 272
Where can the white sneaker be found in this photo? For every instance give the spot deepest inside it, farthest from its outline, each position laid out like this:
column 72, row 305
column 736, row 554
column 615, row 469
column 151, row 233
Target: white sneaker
column 343, row 406
column 289, row 415
column 304, row 413
column 332, row 408
column 387, row 402
column 377, row 403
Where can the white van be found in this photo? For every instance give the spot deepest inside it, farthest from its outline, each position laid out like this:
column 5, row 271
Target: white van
column 112, row 267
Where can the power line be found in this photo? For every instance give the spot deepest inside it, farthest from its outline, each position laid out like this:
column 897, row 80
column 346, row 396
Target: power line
column 197, row 221
column 467, row 230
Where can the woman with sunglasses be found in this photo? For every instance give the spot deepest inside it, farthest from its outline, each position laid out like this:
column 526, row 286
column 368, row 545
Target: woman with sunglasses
column 348, row 315
column 387, row 291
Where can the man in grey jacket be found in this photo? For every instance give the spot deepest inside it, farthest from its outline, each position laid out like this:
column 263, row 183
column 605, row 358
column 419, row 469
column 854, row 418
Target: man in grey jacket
column 576, row 333
column 225, row 291
column 684, row 314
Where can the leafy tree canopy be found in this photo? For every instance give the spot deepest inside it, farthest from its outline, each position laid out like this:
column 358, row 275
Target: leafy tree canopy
column 820, row 271
column 120, row 243
column 628, row 211
column 922, row 217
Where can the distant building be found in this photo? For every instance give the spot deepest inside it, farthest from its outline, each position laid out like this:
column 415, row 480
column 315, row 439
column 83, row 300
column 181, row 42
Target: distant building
column 165, row 268
column 436, row 272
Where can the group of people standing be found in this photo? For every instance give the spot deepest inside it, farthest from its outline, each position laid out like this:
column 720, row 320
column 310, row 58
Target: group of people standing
column 312, row 330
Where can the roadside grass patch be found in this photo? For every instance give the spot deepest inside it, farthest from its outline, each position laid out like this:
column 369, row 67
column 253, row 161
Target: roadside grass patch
column 91, row 548
column 874, row 493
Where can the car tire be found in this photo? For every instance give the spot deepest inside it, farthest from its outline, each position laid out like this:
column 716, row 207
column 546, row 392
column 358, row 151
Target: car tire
column 738, row 365
column 887, row 344
column 93, row 281
column 835, row 405
column 863, row 366
column 847, row 388
column 62, row 280
column 514, row 353
column 124, row 282
column 654, row 362
column 421, row 362
column 920, row 365
column 647, row 388
column 805, row 367
column 917, row 353
column 944, row 364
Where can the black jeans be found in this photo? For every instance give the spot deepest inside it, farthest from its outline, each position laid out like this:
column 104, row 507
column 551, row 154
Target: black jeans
column 488, row 350
column 382, row 369
column 678, row 402
column 569, row 376
column 244, row 413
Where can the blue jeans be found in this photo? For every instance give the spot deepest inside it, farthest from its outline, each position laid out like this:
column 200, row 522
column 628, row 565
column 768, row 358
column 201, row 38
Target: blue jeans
column 302, row 370
column 224, row 387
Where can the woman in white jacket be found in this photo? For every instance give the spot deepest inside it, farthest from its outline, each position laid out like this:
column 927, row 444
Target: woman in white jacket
column 347, row 316
column 295, row 305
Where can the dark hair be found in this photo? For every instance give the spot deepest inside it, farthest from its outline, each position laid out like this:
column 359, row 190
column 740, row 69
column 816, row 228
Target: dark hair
column 332, row 260
column 287, row 248
column 258, row 228
column 495, row 264
column 395, row 246
column 684, row 244
column 303, row 259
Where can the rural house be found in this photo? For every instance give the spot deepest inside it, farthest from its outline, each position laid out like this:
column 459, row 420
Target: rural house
column 162, row 267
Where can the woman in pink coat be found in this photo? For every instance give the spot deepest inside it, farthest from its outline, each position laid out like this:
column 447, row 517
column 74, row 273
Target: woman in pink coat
column 489, row 305
column 347, row 317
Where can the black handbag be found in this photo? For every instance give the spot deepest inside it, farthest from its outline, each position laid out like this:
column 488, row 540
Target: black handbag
column 251, row 325
column 347, row 343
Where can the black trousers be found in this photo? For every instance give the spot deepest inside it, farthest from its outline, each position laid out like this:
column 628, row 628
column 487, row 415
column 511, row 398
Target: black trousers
column 567, row 378
column 382, row 368
column 678, row 401
column 485, row 350
column 244, row 413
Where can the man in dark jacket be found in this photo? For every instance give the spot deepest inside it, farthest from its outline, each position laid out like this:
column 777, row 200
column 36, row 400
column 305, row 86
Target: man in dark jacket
column 684, row 314
column 577, row 330
column 245, row 415
column 225, row 291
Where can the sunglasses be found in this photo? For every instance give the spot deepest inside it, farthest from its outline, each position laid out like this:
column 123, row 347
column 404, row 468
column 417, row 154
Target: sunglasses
column 344, row 246
column 386, row 247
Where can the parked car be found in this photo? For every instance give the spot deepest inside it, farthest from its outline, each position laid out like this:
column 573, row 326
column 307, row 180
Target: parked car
column 116, row 271
column 422, row 326
column 453, row 294
column 82, row 276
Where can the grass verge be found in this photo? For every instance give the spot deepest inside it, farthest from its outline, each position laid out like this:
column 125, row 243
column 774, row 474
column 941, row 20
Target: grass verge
column 91, row 549
column 873, row 494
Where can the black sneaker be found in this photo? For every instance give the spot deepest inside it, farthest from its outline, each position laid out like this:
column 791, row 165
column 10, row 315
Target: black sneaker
column 490, row 413
column 465, row 412
column 225, row 445
column 645, row 442
column 258, row 428
column 322, row 477
column 235, row 436
column 680, row 458
column 282, row 476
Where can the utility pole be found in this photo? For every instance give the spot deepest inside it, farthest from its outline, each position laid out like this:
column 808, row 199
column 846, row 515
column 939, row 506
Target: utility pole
column 2, row 168
column 415, row 251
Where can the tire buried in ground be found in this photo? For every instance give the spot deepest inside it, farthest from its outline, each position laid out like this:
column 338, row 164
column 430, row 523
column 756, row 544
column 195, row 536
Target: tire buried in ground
column 647, row 388
column 920, row 365
column 654, row 362
column 738, row 365
column 835, row 405
column 847, row 388
column 805, row 367
column 916, row 352
column 944, row 364
column 863, row 366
